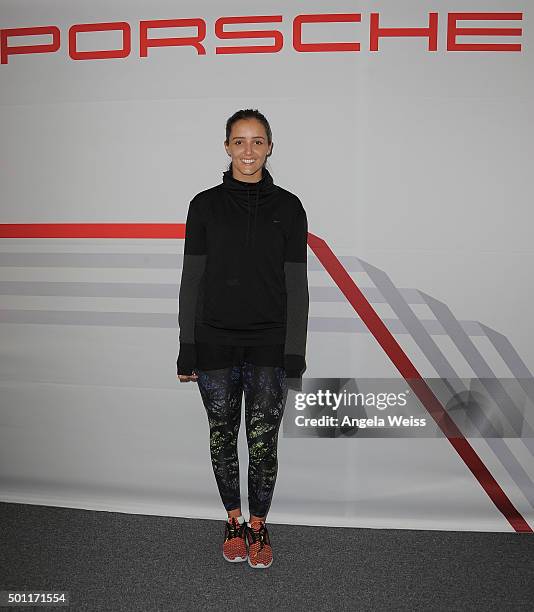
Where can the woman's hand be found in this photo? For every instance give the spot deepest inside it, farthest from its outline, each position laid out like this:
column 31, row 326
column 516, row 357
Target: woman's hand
column 186, row 378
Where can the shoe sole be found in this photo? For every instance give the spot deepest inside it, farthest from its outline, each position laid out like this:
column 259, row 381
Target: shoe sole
column 260, row 565
column 235, row 559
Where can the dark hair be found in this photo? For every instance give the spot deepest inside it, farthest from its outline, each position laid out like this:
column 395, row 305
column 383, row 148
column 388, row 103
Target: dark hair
column 247, row 113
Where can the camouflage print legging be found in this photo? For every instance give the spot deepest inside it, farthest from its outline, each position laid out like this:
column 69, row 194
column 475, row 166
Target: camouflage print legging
column 265, row 389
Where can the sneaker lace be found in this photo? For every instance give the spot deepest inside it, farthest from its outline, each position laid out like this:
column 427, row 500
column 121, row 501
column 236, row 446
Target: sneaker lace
column 234, row 529
column 258, row 535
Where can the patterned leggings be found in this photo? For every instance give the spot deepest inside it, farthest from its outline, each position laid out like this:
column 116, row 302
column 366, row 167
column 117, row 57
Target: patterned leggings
column 265, row 390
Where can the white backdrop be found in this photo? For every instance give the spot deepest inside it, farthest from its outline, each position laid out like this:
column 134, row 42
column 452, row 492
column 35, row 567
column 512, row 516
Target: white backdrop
column 414, row 166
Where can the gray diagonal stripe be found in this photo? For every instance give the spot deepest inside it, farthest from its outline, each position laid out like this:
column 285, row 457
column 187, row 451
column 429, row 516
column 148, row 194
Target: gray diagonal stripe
column 509, row 355
column 419, row 332
column 481, row 368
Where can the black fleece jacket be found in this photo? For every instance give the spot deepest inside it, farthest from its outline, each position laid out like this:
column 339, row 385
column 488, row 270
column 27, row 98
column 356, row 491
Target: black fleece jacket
column 244, row 275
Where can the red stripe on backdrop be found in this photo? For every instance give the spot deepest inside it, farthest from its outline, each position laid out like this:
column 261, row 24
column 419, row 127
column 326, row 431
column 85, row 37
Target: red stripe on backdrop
column 92, row 230
column 403, row 364
column 358, row 301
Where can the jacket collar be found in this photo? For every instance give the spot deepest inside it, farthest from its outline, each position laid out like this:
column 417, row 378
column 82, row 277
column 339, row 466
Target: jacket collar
column 249, row 196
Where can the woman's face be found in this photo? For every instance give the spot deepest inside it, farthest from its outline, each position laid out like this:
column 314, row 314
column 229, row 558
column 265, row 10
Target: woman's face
column 248, row 148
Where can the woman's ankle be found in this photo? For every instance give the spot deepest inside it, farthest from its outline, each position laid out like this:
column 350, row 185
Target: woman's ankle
column 256, row 519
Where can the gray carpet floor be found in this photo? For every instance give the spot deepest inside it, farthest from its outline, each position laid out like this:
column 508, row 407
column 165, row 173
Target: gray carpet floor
column 113, row 562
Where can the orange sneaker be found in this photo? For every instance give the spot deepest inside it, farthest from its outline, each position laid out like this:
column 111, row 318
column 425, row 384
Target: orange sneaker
column 235, row 545
column 260, row 553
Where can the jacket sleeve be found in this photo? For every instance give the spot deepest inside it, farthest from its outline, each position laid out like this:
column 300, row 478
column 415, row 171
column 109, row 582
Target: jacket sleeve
column 194, row 263
column 296, row 284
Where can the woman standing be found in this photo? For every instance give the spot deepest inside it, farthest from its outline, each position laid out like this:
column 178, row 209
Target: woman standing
column 243, row 318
